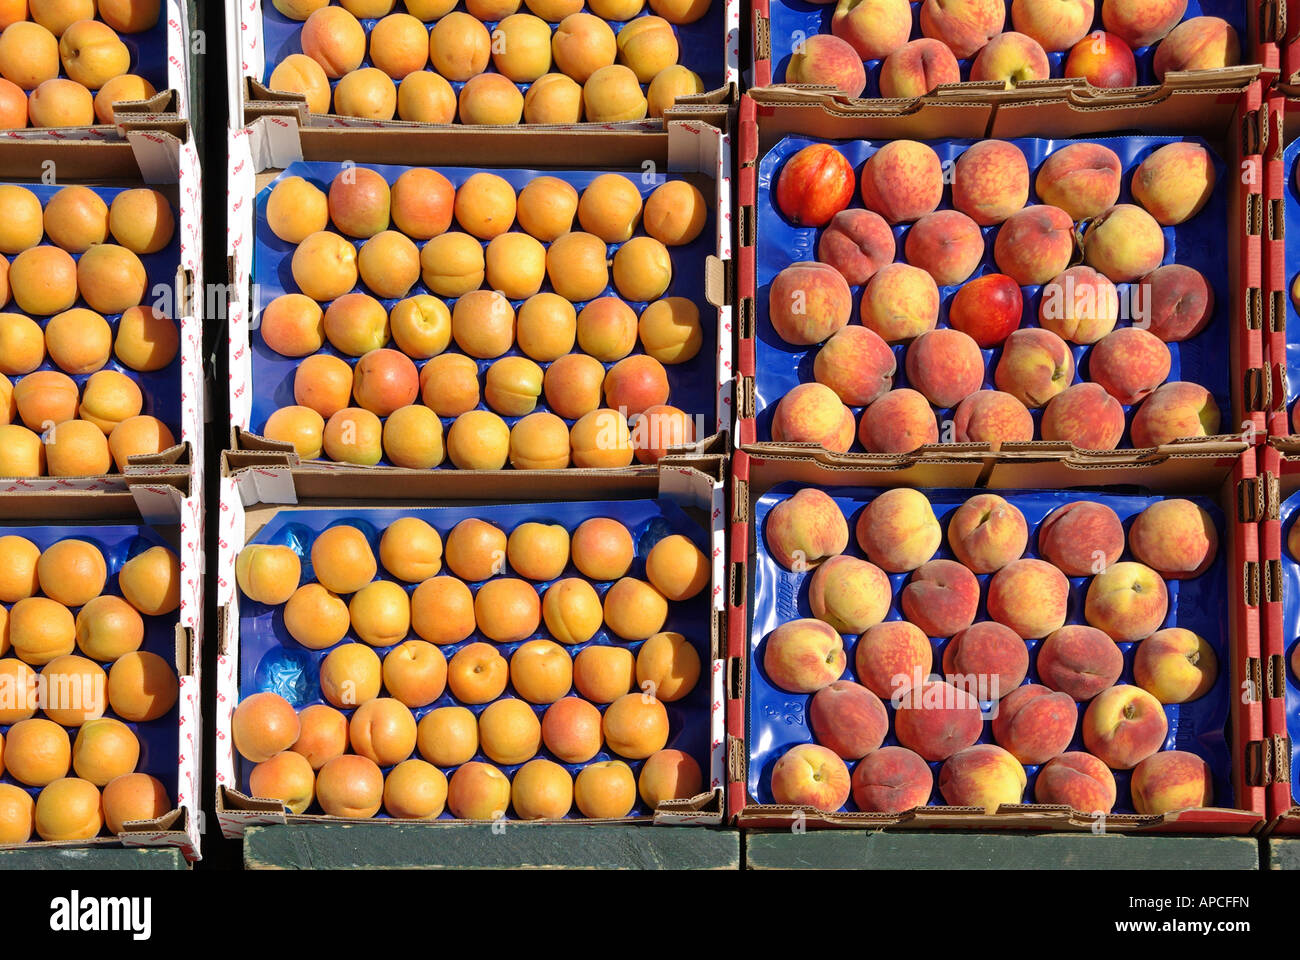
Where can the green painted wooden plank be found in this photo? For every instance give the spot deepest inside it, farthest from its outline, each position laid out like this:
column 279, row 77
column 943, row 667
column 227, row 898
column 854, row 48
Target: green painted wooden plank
column 93, row 858
column 1282, row 853
column 467, row 846
column 941, row 850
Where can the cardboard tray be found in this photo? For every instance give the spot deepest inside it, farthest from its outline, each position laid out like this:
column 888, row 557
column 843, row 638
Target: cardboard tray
column 251, row 98
column 1228, row 477
column 259, row 152
column 1230, row 117
column 1282, row 322
column 250, row 494
column 161, row 501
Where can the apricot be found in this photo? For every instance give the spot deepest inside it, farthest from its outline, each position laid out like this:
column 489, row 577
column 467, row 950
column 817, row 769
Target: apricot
column 542, row 790
column 669, row 85
column 263, row 725
column 577, row 267
column 554, row 11
column 478, row 791
column 72, row 572
column 485, row 205
column 539, row 441
column 389, row 264
column 509, row 731
column 553, row 98
column 607, row 329
column 572, row 385
column 79, row 341
column 602, row 548
column 448, row 736
column 602, row 674
column 380, row 613
column 334, row 39
column 477, row 673
column 507, row 610
column 129, row 16
column 13, row 107
column 77, row 448
column 490, row 98
column 107, row 627
column 300, row 74
column 452, row 264
column 660, row 428
column 635, row 726
column 68, row 809
column 301, row 426
column 45, row 398
column 104, row 750
column 76, row 218
column 147, row 339
column 40, row 629
column 111, row 278
column 583, row 44
column 72, row 690
column 287, row 777
column 572, row 611
column 16, row 813
column 350, row 675
column 350, row 786
column 425, row 97
column 150, row 581
column 605, row 790
column 57, row 15
column 24, row 225
column 571, row 730
column 642, row 269
column 610, row 208
column 315, row 617
column 92, row 54
column 521, row 47
column 415, row 790
column 483, row 324
column 677, row 568
column 126, row 87
column 399, row 45
column 360, row 202
column 382, row 730
column 37, row 752
column 142, row 686
column 21, row 684
column 613, row 95
column 18, row 560
column 44, row 279
column 546, row 327
column 22, row 344
column 546, row 207
column 29, row 54
column 478, row 440
column 667, row 667
column 459, row 46
column 515, row 265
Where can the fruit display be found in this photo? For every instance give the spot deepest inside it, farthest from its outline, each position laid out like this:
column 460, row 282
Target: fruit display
column 494, row 61
column 464, row 318
column 991, row 291
column 90, row 368
column 88, row 683
column 897, row 49
column 973, row 648
column 65, row 63
column 527, row 661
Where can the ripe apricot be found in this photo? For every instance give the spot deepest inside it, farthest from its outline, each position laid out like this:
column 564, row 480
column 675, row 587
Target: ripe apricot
column 73, row 690
column 542, row 790
column 442, row 610
column 415, row 673
column 18, row 560
column 323, row 734
column 572, row 385
column 37, row 752
column 571, row 730
column 675, row 213
column 342, row 559
column 485, row 205
column 263, row 725
column 68, row 809
column 300, row 74
column 507, row 610
column 411, row 550
column 151, row 581
column 635, row 610
column 22, row 344
column 449, row 384
column 126, row 87
column 477, row 673
column 76, row 218
column 142, row 686
column 286, row 777
column 546, row 327
column 577, row 266
column 111, row 278
column 452, row 264
column 134, row 796
column 323, row 383
column 447, row 736
column 267, row 573
column 602, row 673
column 607, row 329
column 107, row 627
column 546, row 207
column 41, row 629
column 602, row 548
column 44, row 280
column 538, row 551
column 108, row 399
column 610, row 208
column 315, row 617
column 677, row 568
column 667, row 667
column 104, row 749
column 415, row 790
column 79, row 341
column 72, row 572
column 475, row 549
column 301, row 426
column 350, row 786
column 572, row 610
column 382, row 730
column 147, row 339
column 478, row 440
column 605, row 790
column 509, row 731
column 380, row 613
column 350, row 675
column 295, row 210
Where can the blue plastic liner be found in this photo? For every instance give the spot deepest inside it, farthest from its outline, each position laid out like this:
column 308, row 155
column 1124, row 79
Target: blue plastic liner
column 1198, row 243
column 1291, row 626
column 159, row 739
column 692, row 385
column 700, row 43
column 1291, row 214
column 793, row 18
column 161, row 389
column 778, row 720
column 272, row 660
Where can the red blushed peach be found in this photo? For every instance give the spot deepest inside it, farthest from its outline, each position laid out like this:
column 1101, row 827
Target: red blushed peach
column 1198, row 43
column 947, row 245
column 986, row 659
column 1055, row 24
column 1176, row 302
column 900, row 302
column 857, row 365
column 990, row 181
column 1083, row 179
column 1035, row 366
column 1124, row 725
column 809, row 775
column 891, row 780
column 963, row 25
column 809, row 301
column 941, row 598
column 984, row 776
column 916, row 68
column 1081, row 539
column 936, row 719
column 1029, row 596
column 1175, row 411
column 945, row 365
column 1124, row 242
column 848, row 718
column 1175, row 666
column 1171, row 780
column 826, row 60
column 803, row 656
column 873, row 28
column 857, row 243
column 902, row 181
column 1176, row 538
column 1079, row 305
column 849, row 594
column 1175, row 182
column 812, row 413
column 1084, row 415
column 890, row 656
column 1080, row 661
column 1035, row 724
column 1104, row 60
column 1130, row 363
column 987, row 308
column 899, row 422
column 1076, row 780
column 802, row 530
column 898, row 530
column 1128, row 600
column 1140, row 23
column 814, row 185
column 1035, row 244
column 992, row 417
column 1011, row 58
column 987, row 532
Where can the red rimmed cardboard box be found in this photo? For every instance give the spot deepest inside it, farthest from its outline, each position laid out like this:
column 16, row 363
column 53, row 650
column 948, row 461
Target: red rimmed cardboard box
column 260, row 152
column 1231, row 115
column 252, row 492
column 1280, row 130
column 1226, row 474
column 166, row 502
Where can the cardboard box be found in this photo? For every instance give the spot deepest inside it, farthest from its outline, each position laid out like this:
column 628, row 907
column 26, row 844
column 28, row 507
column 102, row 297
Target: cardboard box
column 251, row 97
column 1229, row 117
column 259, row 153
column 1226, row 476
column 251, row 494
column 167, row 504
column 1282, row 200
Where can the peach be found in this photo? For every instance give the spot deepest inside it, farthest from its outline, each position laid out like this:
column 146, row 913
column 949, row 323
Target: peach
column 891, row 655
column 449, row 384
column 610, row 208
column 605, row 790
column 45, row 398
column 539, row 441
column 415, row 790
column 442, row 610
column 984, row 776
column 1055, row 24
column 647, row 45
column 987, row 532
column 572, row 611
column 891, row 780
column 1171, row 780
column 483, row 324
column 1104, row 60
column 1029, row 596
column 1035, row 366
column 507, row 610
column 814, row 185
column 1076, row 780
column 849, row 594
column 857, row 365
column 1175, row 666
column 1079, row 305
column 669, row 775
column 542, row 790
column 963, row 25
column 992, row 417
column 300, row 74
column 1127, row 600
column 286, row 777
column 946, row 244
column 1130, row 363
column 509, row 731
column 29, row 54
column 350, row 786
column 546, row 207
column 425, row 97
column 147, row 339
column 475, row 550
column 553, row 98
column 324, row 267
column 448, row 736
column 941, row 598
column 802, row 656
column 1011, row 58
column 1140, row 24
column 582, row 44
column 602, row 674
column 577, row 267
column 452, row 264
column 541, row 671
column 1176, row 538
column 571, row 730
column 76, row 218
column 77, row 448
column 382, row 730
column 898, row 530
column 811, row 775
column 490, row 98
column 1086, row 416
column 642, row 269
column 848, row 718
column 1034, row 724
column 990, row 182
column 334, row 39
column 613, row 95
column 1178, row 301
column 986, row 659
column 263, row 725
column 1198, row 43
column 104, row 750
column 521, row 47
column 900, row 302
column 1035, row 244
column 634, row 610
column 129, row 16
column 857, row 243
column 1124, row 725
column 677, row 568
column 68, row 809
column 1124, row 242
column 801, row 531
column 902, row 181
column 873, row 28
column 342, row 560
column 107, row 627
column 349, row 675
column 142, row 686
column 1175, row 410
column 936, row 719
column 601, row 439
column 916, row 68
column 1081, row 538
column 44, row 280
column 380, row 613
column 267, row 573
column 945, row 365
column 1080, row 661
column 477, row 673
column 1175, row 182
column 16, row 813
column 670, row 85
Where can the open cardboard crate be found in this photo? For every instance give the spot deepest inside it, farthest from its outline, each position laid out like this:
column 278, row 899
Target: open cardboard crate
column 262, row 151
column 252, row 494
column 1226, row 476
column 166, row 504
column 251, row 97
column 1227, row 115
